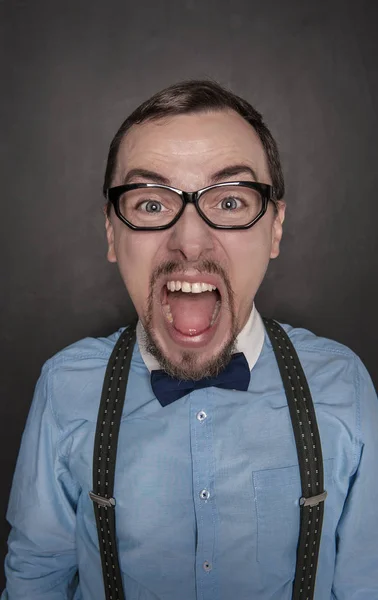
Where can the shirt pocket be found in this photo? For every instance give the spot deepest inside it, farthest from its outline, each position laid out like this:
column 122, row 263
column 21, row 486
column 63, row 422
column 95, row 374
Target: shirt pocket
column 276, row 494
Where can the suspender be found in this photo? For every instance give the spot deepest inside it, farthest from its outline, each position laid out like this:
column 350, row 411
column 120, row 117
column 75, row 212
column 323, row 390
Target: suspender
column 307, row 441
column 104, row 460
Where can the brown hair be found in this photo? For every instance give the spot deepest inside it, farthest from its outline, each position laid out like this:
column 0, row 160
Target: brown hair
column 191, row 97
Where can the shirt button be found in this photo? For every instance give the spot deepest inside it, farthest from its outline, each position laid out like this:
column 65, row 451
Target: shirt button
column 204, row 495
column 201, row 416
column 207, row 566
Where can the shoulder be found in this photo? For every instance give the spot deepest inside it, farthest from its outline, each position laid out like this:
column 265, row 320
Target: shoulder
column 341, row 389
column 307, row 341
column 320, row 351
column 73, row 379
column 328, row 364
column 87, row 348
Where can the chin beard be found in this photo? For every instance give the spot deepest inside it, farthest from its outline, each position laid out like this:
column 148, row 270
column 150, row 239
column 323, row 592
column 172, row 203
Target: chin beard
column 191, row 365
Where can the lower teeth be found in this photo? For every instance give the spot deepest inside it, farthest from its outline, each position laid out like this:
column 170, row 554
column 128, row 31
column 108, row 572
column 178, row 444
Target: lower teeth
column 215, row 313
column 168, row 314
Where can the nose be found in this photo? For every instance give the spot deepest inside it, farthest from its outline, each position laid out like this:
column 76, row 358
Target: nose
column 191, row 236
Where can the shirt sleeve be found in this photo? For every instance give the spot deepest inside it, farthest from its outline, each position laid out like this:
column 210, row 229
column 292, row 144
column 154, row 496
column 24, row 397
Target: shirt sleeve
column 41, row 559
column 356, row 571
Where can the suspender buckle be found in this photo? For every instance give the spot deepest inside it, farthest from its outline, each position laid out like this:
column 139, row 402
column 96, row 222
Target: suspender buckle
column 314, row 500
column 108, row 502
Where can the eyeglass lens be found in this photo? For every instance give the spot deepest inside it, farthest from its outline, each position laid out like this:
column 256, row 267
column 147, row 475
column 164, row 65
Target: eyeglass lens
column 155, row 207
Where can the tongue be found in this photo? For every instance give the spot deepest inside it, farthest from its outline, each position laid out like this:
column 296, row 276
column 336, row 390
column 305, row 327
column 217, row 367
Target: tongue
column 192, row 313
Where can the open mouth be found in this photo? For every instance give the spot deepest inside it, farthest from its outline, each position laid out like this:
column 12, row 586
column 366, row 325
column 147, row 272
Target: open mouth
column 191, row 308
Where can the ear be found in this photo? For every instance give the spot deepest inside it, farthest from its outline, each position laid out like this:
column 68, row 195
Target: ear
column 277, row 228
column 111, row 255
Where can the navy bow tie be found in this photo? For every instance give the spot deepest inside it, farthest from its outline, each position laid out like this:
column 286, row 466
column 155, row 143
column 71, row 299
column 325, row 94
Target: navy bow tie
column 235, row 376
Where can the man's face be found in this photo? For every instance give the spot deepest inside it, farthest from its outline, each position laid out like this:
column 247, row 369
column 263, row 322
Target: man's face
column 192, row 334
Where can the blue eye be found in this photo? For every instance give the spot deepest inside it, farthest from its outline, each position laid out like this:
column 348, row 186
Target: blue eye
column 229, row 203
column 151, row 206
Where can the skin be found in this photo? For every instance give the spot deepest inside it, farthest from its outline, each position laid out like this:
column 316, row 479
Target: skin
column 187, row 150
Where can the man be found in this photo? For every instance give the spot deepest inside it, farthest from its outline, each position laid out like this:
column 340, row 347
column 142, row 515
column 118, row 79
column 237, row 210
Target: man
column 207, row 485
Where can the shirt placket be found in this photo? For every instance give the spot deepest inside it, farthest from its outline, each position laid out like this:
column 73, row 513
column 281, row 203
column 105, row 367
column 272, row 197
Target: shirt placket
column 203, row 493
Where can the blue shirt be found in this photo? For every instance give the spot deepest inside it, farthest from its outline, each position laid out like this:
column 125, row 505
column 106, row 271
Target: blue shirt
column 237, row 540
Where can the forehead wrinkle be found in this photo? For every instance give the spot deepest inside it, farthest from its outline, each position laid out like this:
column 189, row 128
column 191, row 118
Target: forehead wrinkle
column 176, row 155
column 170, row 148
column 218, row 158
column 167, row 174
column 170, row 138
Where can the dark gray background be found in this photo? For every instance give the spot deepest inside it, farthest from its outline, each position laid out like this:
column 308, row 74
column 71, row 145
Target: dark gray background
column 72, row 71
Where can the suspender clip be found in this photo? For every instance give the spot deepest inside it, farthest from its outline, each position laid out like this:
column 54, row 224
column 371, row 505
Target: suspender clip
column 314, row 500
column 108, row 502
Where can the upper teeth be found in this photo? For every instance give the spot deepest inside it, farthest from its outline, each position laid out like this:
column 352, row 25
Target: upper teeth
column 194, row 288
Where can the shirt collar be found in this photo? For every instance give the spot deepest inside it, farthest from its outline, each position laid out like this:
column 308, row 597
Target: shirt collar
column 249, row 341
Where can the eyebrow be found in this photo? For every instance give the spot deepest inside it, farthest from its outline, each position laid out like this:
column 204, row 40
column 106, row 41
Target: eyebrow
column 232, row 171
column 224, row 173
column 145, row 174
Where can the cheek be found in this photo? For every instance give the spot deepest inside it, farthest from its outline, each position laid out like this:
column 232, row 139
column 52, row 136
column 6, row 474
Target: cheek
column 249, row 253
column 135, row 255
column 251, row 246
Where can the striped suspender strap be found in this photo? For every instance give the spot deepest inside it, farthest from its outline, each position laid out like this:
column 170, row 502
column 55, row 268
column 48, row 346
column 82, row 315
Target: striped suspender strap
column 307, row 442
column 104, row 460
column 310, row 459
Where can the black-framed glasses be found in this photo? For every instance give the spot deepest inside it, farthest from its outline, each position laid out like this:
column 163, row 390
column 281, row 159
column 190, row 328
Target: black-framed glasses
column 229, row 205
